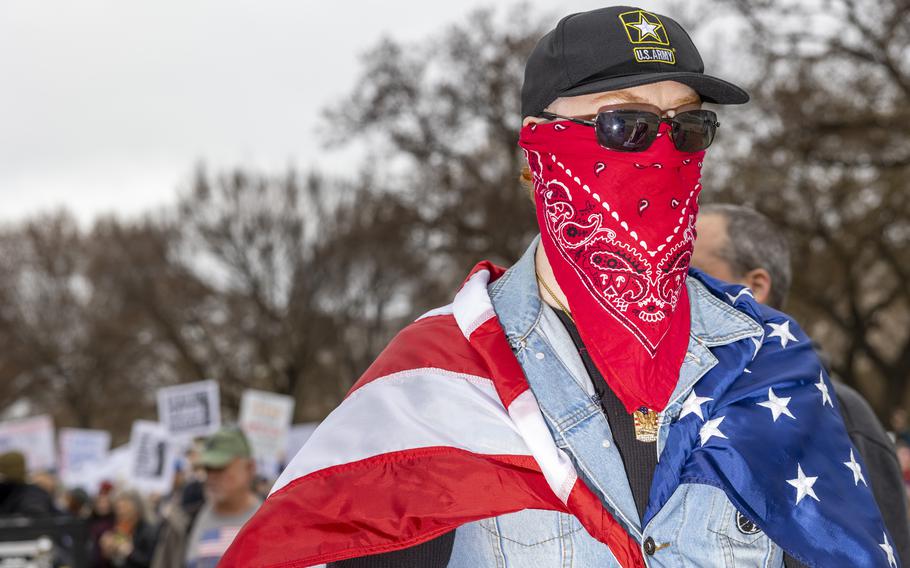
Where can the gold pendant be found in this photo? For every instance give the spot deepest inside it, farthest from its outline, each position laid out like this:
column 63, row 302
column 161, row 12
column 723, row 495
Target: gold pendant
column 645, row 424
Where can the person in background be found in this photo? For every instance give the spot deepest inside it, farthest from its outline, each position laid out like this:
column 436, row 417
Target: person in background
column 740, row 245
column 18, row 497
column 131, row 541
column 48, row 481
column 899, row 425
column 175, row 526
column 76, row 503
column 229, row 502
column 903, row 457
column 101, row 519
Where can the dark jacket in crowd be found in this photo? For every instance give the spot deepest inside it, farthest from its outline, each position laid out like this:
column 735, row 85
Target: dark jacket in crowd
column 145, row 535
column 175, row 528
column 25, row 499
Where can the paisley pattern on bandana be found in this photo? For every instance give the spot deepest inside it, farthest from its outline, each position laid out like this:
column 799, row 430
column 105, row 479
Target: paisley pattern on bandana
column 618, row 229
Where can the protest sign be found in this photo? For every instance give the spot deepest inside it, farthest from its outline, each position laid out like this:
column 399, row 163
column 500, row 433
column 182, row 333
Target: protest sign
column 191, row 409
column 152, row 458
column 265, row 418
column 34, row 437
column 83, row 454
column 118, row 466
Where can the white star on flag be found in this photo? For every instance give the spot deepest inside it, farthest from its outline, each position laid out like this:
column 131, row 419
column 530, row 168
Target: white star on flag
column 803, row 485
column 645, row 28
column 888, row 550
column 777, row 405
column 757, row 343
column 853, row 466
column 782, row 330
column 711, row 429
column 822, row 386
column 744, row 291
column 693, row 405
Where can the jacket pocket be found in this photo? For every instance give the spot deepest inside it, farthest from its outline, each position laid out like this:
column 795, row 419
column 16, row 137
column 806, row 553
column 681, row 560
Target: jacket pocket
column 530, row 528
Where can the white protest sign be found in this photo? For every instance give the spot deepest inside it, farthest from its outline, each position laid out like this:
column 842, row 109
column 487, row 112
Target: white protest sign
column 297, row 437
column 265, row 418
column 83, row 454
column 117, row 469
column 34, row 437
column 152, row 458
column 191, row 409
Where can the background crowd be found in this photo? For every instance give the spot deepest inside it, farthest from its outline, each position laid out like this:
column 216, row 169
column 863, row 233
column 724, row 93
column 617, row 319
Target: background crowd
column 291, row 282
column 215, row 490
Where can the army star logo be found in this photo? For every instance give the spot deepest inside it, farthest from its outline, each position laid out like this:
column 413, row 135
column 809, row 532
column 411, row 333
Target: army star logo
column 643, row 27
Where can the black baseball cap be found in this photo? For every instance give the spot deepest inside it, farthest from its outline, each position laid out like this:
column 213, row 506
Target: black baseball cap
column 616, row 48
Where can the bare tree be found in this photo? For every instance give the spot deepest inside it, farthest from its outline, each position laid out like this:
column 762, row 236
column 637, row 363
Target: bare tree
column 826, row 153
column 73, row 343
column 445, row 113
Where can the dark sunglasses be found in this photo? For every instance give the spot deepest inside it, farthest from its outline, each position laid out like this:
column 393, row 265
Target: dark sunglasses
column 634, row 130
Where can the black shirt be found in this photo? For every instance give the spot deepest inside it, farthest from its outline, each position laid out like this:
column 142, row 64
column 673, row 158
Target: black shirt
column 639, row 458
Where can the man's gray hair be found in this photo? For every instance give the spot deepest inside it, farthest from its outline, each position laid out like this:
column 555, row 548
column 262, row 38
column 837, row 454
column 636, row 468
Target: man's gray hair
column 753, row 241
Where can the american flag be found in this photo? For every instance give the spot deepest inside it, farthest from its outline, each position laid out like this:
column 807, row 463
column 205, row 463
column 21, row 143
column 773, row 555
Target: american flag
column 774, row 441
column 443, row 430
column 213, row 543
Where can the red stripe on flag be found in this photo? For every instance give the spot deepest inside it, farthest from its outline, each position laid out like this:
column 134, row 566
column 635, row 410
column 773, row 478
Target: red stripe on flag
column 600, row 524
column 493, row 347
column 432, row 342
column 495, row 271
column 385, row 503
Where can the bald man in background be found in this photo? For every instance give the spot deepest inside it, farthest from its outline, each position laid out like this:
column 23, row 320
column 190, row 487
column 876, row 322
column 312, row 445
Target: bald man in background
column 740, row 245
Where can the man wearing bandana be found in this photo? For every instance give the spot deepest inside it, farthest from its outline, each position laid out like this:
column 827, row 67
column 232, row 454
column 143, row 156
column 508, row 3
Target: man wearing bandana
column 599, row 403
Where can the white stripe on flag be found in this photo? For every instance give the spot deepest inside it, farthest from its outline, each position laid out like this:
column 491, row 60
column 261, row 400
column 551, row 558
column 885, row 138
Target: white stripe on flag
column 555, row 464
column 440, row 311
column 472, row 306
column 417, row 408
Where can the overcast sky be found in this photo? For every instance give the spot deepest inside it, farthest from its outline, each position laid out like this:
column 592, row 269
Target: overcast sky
column 105, row 106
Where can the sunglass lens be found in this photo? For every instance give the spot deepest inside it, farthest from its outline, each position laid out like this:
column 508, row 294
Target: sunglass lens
column 693, row 131
column 626, row 130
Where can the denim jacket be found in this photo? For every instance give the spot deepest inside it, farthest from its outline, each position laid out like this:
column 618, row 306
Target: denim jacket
column 698, row 526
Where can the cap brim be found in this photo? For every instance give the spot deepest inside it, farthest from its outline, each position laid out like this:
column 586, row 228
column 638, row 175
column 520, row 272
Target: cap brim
column 711, row 89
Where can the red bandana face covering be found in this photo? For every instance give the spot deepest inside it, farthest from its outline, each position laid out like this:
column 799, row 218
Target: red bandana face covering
column 618, row 230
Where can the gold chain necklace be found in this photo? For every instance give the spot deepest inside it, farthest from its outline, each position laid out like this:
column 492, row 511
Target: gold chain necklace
column 555, row 299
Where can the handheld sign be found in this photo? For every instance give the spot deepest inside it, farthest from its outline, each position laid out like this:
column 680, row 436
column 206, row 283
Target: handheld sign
column 83, row 454
column 191, row 409
column 152, row 458
column 265, row 418
column 34, row 437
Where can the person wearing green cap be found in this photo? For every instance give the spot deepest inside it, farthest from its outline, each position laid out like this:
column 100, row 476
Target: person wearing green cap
column 230, row 502
column 17, row 497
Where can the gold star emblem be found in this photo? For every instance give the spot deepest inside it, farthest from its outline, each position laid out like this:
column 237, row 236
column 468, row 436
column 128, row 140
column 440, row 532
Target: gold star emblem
column 643, row 27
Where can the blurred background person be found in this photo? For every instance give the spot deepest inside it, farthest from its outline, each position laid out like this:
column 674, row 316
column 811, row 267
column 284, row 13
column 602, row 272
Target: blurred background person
column 199, row 540
column 77, row 503
column 101, row 518
column 17, row 496
column 740, row 245
column 131, row 541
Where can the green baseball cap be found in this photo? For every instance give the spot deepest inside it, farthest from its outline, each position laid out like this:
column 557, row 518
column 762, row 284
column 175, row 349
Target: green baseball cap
column 223, row 447
column 12, row 467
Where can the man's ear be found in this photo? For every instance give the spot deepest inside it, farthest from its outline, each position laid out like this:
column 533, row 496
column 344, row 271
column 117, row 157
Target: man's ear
column 759, row 281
